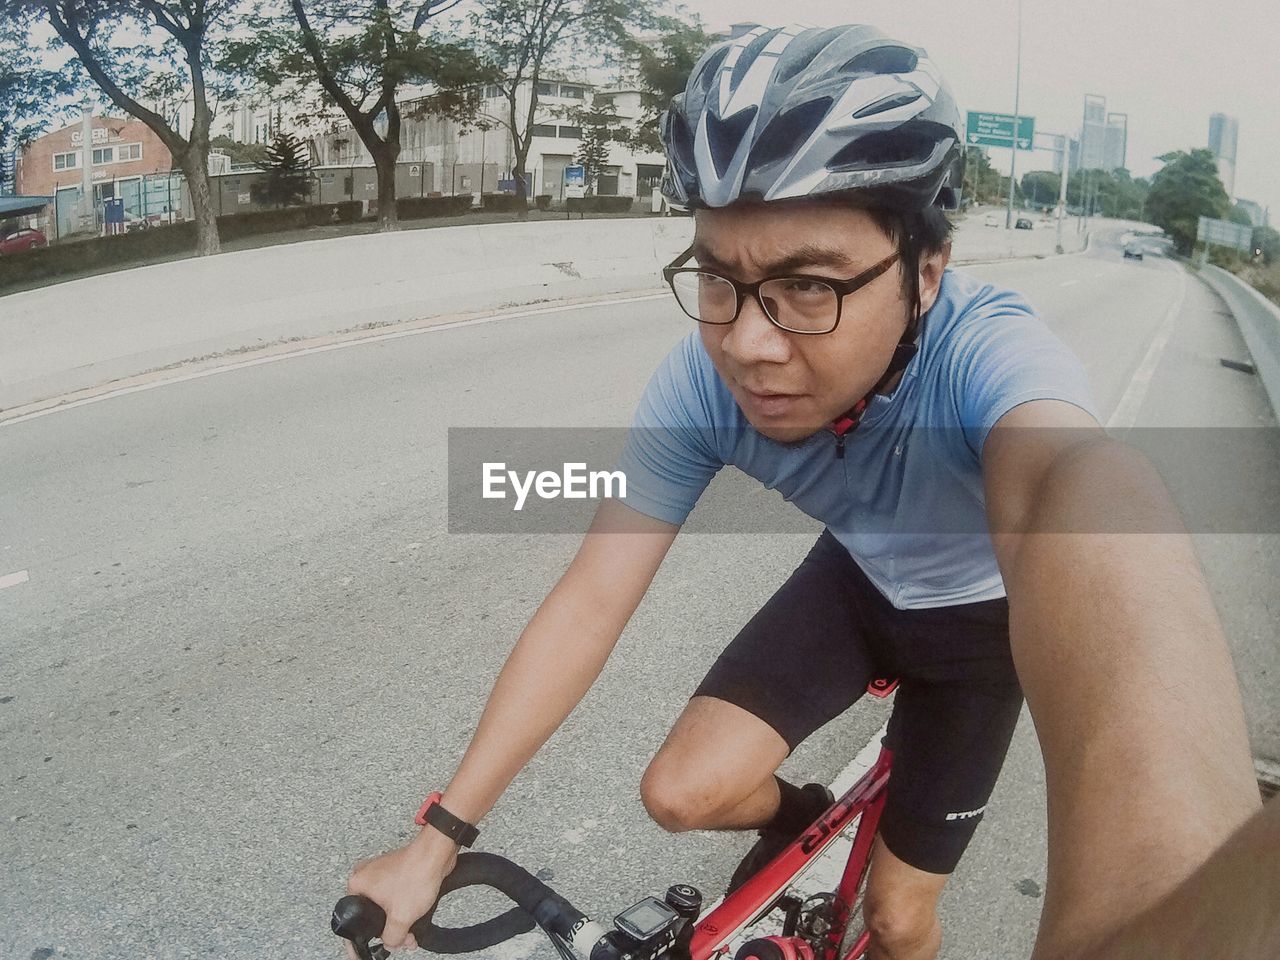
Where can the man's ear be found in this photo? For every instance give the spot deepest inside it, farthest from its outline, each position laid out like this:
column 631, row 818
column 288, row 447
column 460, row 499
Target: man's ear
column 931, row 269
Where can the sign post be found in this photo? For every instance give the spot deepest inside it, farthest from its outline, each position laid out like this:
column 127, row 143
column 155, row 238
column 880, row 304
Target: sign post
column 1223, row 233
column 997, row 130
column 575, row 181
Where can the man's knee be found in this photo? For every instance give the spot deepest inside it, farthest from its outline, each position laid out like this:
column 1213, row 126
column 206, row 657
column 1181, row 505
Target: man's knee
column 902, row 921
column 678, row 800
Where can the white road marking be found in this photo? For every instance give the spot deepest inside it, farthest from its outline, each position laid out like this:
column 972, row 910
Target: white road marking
column 1126, row 411
column 13, row 579
column 1067, row 283
column 325, row 348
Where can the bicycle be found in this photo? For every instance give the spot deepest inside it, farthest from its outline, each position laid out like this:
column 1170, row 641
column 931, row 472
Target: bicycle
column 815, row 925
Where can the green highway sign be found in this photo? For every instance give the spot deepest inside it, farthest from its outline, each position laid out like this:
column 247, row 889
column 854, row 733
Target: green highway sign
column 996, row 130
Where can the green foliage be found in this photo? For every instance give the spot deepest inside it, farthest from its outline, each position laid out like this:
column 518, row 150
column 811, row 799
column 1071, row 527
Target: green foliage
column 1185, row 188
column 525, row 39
column 662, row 65
column 416, row 208
column 1041, row 187
column 981, row 181
column 1238, row 214
column 288, row 182
column 1267, row 240
column 240, row 153
column 597, row 133
column 28, row 91
column 1110, row 193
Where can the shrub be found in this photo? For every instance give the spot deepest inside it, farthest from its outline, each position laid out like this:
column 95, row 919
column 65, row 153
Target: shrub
column 500, row 202
column 598, row 204
column 543, row 200
column 417, row 208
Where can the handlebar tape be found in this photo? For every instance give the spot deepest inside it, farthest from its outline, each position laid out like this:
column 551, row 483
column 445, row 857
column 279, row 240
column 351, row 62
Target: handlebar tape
column 357, row 917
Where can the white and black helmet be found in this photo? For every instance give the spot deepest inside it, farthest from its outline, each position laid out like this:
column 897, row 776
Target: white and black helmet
column 798, row 111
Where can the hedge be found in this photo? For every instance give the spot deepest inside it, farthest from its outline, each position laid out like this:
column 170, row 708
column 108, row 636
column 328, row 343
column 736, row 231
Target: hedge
column 142, row 246
column 500, row 202
column 416, row 208
column 598, row 204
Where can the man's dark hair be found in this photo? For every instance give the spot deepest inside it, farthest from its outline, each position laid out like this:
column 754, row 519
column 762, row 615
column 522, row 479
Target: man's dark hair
column 917, row 233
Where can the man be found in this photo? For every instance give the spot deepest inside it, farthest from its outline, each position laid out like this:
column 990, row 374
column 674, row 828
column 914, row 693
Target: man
column 984, row 537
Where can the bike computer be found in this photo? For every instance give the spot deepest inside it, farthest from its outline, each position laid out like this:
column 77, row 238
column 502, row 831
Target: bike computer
column 645, row 920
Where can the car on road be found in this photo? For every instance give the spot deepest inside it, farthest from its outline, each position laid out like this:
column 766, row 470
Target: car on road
column 1133, row 250
column 1022, row 224
column 23, row 238
column 991, row 220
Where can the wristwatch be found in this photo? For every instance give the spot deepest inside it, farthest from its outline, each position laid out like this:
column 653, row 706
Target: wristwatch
column 431, row 813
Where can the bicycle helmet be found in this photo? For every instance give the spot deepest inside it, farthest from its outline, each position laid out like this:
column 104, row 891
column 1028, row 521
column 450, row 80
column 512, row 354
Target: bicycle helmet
column 791, row 112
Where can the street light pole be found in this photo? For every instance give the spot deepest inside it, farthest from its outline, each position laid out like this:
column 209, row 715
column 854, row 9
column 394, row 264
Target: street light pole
column 1062, row 188
column 1013, row 159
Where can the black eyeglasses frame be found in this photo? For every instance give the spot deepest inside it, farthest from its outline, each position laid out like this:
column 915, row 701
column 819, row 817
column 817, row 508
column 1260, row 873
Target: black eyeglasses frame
column 842, row 289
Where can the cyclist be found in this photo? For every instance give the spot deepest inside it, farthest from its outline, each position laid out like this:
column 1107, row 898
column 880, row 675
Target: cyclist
column 983, row 535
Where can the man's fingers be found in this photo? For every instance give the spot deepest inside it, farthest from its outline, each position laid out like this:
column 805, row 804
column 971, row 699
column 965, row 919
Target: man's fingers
column 410, row 942
column 396, row 933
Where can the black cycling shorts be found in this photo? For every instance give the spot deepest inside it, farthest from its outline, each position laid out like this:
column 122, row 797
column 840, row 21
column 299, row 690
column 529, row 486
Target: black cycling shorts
column 809, row 654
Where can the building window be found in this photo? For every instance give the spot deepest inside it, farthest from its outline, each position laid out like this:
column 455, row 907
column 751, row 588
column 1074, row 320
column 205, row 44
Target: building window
column 544, row 130
column 128, row 151
column 572, row 133
column 492, row 91
column 66, row 161
column 573, row 92
column 103, row 155
column 546, row 89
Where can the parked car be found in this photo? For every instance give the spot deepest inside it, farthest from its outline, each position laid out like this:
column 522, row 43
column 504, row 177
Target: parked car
column 24, row 238
column 1133, row 250
column 1022, row 224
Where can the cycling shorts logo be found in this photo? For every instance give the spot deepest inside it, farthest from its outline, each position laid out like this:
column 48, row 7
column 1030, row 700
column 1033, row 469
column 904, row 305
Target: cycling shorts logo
column 967, row 814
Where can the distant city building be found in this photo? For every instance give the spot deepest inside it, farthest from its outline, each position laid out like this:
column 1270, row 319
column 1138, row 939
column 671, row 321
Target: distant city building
column 1093, row 133
column 8, row 172
column 1223, row 132
column 1259, row 214
column 1115, row 141
column 737, row 30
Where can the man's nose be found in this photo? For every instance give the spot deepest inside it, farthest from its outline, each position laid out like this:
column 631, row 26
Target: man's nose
column 753, row 338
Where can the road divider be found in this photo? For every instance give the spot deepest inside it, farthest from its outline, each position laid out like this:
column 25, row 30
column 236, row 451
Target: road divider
column 1259, row 322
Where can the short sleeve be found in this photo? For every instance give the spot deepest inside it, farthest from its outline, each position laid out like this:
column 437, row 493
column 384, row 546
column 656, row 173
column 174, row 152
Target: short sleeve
column 1008, row 356
column 670, row 454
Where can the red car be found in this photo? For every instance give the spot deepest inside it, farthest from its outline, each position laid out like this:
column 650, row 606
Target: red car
column 21, row 239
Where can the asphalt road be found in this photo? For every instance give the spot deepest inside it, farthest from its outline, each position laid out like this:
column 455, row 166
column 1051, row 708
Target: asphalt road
column 246, row 646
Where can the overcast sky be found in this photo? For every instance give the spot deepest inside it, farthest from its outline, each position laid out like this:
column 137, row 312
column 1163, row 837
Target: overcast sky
column 1168, row 65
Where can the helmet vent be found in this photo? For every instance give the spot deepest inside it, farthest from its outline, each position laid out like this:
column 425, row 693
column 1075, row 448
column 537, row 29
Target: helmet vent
column 748, row 56
column 881, row 60
column 725, row 136
column 887, row 103
column 788, row 131
column 888, row 148
column 711, row 68
column 800, row 53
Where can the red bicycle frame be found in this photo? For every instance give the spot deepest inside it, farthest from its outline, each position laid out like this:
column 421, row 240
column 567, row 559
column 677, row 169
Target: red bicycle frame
column 864, row 799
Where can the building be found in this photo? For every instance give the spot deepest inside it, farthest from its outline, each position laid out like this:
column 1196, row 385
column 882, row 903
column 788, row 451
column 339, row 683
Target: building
column 127, row 161
column 1258, row 214
column 1115, row 141
column 1223, row 132
column 447, row 158
column 1093, row 134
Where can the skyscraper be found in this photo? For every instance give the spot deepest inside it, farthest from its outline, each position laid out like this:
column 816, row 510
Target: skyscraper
column 1223, row 131
column 1093, row 132
column 1115, row 141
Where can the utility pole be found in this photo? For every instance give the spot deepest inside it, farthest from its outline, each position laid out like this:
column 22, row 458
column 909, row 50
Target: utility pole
column 1013, row 156
column 87, row 218
column 1062, row 189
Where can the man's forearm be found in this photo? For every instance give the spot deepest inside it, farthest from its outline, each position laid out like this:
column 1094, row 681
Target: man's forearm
column 1229, row 909
column 1128, row 678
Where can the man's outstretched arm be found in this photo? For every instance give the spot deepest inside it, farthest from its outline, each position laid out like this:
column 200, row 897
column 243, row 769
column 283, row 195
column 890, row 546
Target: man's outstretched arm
column 1125, row 669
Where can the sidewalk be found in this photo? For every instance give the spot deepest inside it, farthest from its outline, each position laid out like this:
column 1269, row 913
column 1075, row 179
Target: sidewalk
column 86, row 333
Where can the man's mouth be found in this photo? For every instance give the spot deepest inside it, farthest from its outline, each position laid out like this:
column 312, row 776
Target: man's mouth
column 770, row 403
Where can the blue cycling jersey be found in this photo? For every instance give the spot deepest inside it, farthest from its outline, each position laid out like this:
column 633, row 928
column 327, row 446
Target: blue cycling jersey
column 906, row 499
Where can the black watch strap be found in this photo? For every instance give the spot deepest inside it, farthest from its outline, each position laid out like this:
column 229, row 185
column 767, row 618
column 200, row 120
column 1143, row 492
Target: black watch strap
column 459, row 831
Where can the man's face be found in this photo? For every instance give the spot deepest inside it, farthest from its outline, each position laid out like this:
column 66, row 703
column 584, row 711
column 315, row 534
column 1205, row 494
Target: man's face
column 791, row 385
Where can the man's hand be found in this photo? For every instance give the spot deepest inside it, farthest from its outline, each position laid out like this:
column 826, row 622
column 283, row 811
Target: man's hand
column 405, row 883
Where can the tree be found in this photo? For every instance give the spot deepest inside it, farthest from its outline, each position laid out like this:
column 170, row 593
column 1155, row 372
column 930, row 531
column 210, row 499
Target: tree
column 524, row 39
column 1183, row 190
column 288, row 181
column 254, row 153
column 981, row 181
column 1238, row 214
column 597, row 134
column 1267, row 240
column 176, row 58
column 1041, row 187
column 662, row 65
column 28, row 90
column 350, row 58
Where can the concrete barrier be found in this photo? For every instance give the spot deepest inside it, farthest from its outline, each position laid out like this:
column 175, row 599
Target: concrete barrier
column 1259, row 321
column 84, row 333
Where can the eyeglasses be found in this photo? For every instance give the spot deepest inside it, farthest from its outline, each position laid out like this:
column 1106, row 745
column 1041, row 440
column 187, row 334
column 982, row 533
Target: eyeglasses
column 797, row 303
